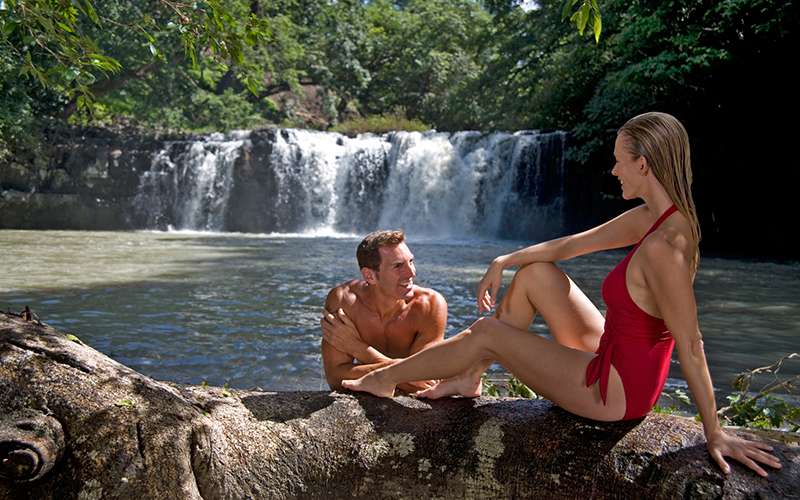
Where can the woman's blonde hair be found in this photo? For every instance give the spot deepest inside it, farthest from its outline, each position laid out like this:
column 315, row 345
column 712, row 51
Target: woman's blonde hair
column 663, row 141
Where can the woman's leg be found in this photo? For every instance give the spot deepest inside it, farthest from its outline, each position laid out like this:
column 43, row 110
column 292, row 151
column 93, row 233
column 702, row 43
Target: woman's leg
column 543, row 288
column 540, row 287
column 552, row 370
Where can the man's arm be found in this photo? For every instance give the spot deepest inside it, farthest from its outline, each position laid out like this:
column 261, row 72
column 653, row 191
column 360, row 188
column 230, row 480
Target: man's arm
column 340, row 331
column 339, row 365
column 345, row 332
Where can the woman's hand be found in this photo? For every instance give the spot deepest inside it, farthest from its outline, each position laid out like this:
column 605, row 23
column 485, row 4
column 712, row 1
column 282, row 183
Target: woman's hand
column 489, row 285
column 340, row 332
column 747, row 452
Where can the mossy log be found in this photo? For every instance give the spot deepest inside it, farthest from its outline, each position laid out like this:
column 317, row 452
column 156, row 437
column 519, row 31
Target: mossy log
column 97, row 429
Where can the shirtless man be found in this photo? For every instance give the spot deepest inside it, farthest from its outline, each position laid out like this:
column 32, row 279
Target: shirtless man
column 382, row 318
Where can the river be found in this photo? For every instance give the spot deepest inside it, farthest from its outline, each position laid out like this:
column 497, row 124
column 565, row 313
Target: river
column 243, row 309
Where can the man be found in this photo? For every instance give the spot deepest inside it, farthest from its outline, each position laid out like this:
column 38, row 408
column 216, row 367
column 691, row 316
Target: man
column 381, row 318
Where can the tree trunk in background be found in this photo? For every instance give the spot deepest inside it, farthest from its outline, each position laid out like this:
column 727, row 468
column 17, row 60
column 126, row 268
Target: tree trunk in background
column 76, row 424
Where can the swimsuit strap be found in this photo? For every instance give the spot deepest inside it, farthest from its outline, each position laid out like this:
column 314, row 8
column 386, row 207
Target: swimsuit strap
column 671, row 210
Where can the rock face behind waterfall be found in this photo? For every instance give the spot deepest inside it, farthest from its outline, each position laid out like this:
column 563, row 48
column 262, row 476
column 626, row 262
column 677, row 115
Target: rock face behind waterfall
column 83, row 180
column 76, row 424
column 284, row 180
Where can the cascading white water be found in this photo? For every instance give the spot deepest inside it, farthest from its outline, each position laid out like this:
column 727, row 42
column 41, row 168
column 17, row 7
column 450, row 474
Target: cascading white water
column 212, row 161
column 188, row 184
column 305, row 166
column 438, row 184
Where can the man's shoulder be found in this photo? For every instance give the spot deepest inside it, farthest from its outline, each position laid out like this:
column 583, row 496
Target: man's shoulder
column 428, row 298
column 346, row 293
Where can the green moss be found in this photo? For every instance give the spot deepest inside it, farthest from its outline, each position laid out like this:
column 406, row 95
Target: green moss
column 380, row 124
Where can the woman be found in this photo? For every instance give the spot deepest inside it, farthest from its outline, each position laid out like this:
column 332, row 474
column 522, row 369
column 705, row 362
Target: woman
column 610, row 368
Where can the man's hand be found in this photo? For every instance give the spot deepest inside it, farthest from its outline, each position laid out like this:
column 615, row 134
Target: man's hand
column 340, row 332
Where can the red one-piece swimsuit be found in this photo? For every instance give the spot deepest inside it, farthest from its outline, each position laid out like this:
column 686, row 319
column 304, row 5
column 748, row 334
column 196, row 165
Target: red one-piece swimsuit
column 636, row 343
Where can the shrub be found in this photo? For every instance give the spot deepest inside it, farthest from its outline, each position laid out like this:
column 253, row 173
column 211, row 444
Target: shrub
column 761, row 409
column 379, row 124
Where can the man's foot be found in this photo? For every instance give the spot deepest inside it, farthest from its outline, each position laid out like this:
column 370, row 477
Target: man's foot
column 466, row 385
column 371, row 383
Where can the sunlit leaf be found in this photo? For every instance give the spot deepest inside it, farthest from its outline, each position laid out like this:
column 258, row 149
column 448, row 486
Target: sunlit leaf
column 598, row 27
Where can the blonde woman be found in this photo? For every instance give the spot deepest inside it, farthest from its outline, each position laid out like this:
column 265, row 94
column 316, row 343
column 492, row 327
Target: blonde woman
column 604, row 368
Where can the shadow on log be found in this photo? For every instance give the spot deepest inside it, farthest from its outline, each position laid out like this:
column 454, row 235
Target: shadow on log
column 97, row 429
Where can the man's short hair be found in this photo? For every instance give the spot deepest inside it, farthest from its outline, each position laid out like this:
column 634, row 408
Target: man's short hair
column 368, row 254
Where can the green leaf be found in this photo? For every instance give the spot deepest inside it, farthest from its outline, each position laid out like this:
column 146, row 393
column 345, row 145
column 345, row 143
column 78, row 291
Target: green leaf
column 73, row 338
column 65, row 27
column 125, row 403
column 585, row 11
column 567, row 8
column 598, row 27
column 88, row 8
column 9, row 27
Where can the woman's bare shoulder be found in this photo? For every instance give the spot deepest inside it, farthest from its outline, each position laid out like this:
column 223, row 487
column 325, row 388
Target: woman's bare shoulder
column 668, row 248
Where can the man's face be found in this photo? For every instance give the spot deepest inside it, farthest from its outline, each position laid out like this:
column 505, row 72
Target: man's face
column 395, row 276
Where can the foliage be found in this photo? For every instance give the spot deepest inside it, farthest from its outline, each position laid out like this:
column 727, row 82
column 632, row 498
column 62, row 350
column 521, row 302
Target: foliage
column 585, row 12
column 665, row 410
column 421, row 58
column 379, row 124
column 59, row 56
column 514, row 388
column 62, row 44
column 679, row 402
column 50, row 43
column 489, row 388
column 719, row 66
column 761, row 409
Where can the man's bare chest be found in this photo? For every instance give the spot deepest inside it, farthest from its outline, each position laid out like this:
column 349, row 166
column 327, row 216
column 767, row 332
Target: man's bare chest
column 393, row 338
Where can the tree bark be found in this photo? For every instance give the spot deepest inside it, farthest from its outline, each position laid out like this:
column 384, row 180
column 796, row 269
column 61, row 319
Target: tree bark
column 128, row 436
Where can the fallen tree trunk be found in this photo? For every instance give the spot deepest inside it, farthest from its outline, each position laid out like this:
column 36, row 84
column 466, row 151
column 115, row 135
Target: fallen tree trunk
column 124, row 435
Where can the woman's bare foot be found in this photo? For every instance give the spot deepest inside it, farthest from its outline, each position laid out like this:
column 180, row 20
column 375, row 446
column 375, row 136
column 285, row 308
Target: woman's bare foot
column 468, row 385
column 372, row 383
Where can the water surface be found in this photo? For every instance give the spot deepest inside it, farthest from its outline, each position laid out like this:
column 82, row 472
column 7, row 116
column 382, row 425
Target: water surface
column 243, row 309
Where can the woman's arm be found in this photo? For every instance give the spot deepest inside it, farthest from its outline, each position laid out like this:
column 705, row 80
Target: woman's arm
column 668, row 276
column 621, row 231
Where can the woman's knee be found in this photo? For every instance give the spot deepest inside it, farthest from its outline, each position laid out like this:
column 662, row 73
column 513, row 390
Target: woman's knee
column 537, row 270
column 537, row 276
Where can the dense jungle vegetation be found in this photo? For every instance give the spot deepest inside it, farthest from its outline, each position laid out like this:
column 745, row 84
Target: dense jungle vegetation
column 722, row 67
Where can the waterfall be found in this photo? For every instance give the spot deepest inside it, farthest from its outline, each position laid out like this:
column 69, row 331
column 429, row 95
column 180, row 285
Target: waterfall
column 189, row 183
column 461, row 184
